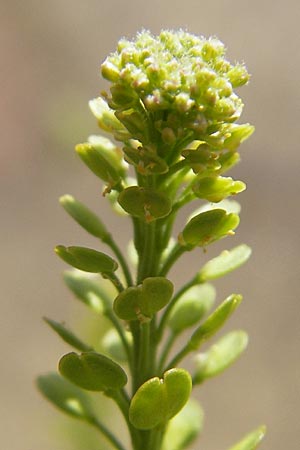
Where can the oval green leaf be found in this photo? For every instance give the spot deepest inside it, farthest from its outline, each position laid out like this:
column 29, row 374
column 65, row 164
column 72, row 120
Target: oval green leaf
column 92, row 371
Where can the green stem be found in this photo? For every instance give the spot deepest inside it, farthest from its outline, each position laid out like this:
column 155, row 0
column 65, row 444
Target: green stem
column 122, row 400
column 177, row 251
column 112, row 244
column 144, row 353
column 165, row 351
column 110, row 315
column 107, row 433
column 147, row 261
column 115, row 281
column 179, row 356
column 171, row 305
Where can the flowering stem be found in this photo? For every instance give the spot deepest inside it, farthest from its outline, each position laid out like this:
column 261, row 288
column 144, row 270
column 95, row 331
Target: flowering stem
column 112, row 244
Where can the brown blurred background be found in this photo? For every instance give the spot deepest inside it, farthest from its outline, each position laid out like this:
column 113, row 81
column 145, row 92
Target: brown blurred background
column 51, row 53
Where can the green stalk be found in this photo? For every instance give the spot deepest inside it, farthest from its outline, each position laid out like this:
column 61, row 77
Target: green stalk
column 170, row 306
column 112, row 244
column 107, row 433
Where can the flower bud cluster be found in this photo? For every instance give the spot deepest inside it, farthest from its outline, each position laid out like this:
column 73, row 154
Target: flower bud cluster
column 177, row 84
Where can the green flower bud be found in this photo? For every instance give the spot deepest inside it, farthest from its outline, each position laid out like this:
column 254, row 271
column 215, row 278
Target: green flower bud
column 238, row 75
column 215, row 189
column 208, row 227
column 145, row 203
column 107, row 119
column 87, row 259
column 92, row 371
column 215, row 321
column 191, row 307
column 238, row 134
column 179, row 74
column 84, row 216
column 158, row 400
column 220, row 356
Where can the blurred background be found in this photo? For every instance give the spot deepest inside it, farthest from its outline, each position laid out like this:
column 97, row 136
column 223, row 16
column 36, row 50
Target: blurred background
column 51, row 54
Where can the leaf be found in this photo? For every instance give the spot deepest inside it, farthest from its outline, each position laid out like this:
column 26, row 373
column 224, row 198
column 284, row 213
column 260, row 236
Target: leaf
column 144, row 203
column 226, row 262
column 92, row 371
column 158, row 400
column 252, row 440
column 68, row 336
column 220, row 356
column 87, row 259
column 65, row 396
column 84, row 217
column 191, row 307
column 183, row 429
column 215, row 321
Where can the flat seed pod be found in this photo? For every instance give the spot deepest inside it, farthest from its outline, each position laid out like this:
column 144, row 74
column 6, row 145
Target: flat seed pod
column 208, row 227
column 65, row 396
column 92, row 371
column 215, row 321
column 226, row 262
column 146, row 162
column 148, row 298
column 145, row 203
column 127, row 304
column 251, row 441
column 191, row 307
column 87, row 290
column 84, row 217
column 220, row 356
column 87, row 259
column 97, row 163
column 158, row 400
column 215, row 189
column 156, row 293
